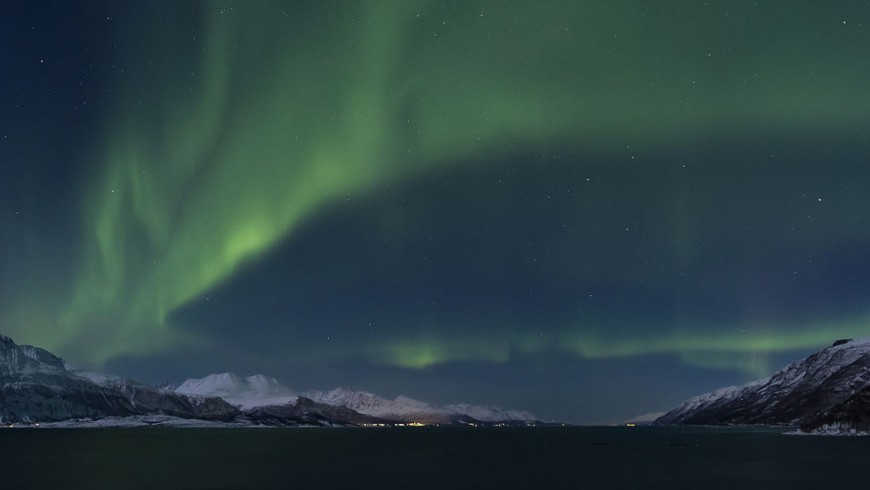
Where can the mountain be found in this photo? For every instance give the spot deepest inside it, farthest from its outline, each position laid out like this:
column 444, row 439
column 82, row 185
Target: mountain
column 35, row 386
column 406, row 409
column 304, row 411
column 245, row 393
column 829, row 387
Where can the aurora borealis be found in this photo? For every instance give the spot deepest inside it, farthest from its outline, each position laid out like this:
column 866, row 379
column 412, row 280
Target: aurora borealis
column 584, row 209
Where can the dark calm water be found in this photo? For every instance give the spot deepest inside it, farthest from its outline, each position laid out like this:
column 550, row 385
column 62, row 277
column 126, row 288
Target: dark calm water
column 415, row 458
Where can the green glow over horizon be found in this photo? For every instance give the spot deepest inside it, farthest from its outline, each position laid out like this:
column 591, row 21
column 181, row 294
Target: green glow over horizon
column 701, row 347
column 216, row 152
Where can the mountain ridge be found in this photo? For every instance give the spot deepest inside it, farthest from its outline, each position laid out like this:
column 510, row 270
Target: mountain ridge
column 411, row 410
column 37, row 386
column 831, row 386
column 243, row 392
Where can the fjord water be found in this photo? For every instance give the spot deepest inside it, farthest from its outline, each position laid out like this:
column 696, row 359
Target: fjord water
column 429, row 457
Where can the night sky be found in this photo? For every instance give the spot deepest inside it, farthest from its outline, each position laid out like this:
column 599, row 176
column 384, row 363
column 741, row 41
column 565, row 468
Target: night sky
column 589, row 210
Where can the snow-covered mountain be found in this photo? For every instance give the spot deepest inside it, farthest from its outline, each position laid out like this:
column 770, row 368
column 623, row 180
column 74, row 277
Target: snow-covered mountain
column 799, row 394
column 707, row 401
column 489, row 414
column 407, row 409
column 38, row 387
column 250, row 392
column 26, row 359
column 367, row 403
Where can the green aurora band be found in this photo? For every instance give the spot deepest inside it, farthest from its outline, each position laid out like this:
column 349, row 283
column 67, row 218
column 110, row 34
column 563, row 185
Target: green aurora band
column 223, row 139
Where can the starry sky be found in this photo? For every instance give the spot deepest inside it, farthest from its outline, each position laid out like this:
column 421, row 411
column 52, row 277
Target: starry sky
column 588, row 210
